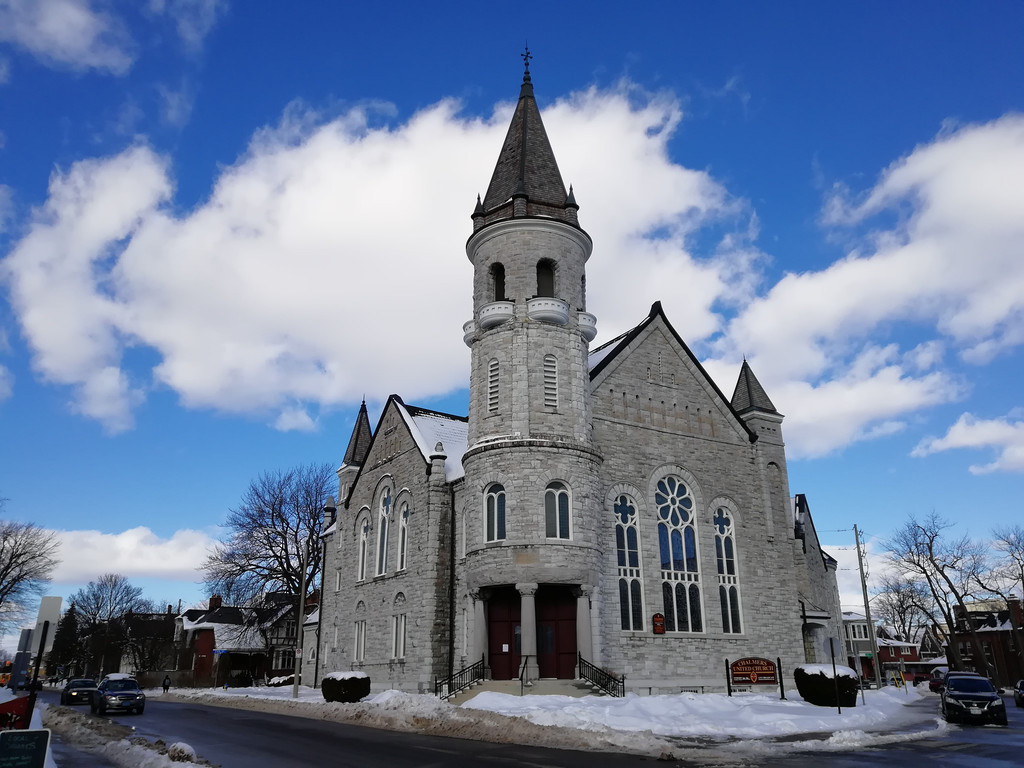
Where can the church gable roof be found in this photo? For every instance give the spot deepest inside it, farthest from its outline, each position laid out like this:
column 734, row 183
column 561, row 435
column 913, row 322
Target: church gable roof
column 749, row 395
column 613, row 352
column 428, row 428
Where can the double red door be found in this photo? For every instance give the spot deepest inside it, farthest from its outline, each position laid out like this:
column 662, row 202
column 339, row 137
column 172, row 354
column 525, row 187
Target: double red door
column 556, row 632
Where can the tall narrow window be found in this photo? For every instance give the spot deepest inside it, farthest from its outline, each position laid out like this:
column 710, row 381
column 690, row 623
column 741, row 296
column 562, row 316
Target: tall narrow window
column 545, row 278
column 398, row 636
column 556, row 511
column 550, row 381
column 398, row 628
column 728, row 576
column 498, row 281
column 403, row 536
column 492, row 386
column 359, row 644
column 494, row 505
column 364, row 544
column 677, row 543
column 627, row 546
column 382, row 532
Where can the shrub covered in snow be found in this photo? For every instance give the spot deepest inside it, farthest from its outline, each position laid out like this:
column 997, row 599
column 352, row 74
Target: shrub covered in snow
column 346, row 687
column 817, row 685
column 282, row 680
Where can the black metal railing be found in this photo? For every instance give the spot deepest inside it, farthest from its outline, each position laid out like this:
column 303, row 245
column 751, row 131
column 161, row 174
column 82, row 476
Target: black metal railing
column 523, row 682
column 446, row 687
column 606, row 681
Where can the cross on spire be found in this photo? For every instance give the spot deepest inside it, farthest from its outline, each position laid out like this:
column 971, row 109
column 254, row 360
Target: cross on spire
column 526, row 55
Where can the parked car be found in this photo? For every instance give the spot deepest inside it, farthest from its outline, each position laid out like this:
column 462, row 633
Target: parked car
column 118, row 692
column 1018, row 693
column 971, row 699
column 77, row 691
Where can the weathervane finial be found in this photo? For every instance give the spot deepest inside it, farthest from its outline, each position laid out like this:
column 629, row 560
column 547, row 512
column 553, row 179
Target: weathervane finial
column 526, row 63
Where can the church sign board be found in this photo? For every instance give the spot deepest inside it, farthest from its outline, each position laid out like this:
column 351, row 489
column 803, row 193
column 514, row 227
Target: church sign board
column 754, row 671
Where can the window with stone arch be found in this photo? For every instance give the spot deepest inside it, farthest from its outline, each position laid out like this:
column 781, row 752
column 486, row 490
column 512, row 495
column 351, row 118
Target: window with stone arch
column 383, row 518
column 627, row 547
column 362, row 555
column 545, row 277
column 677, row 543
column 403, row 536
column 494, row 512
column 498, row 281
column 557, row 504
column 728, row 574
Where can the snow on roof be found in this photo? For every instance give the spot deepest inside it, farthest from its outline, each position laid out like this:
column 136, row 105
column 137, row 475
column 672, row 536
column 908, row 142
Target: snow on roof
column 429, row 428
column 898, row 643
column 599, row 354
column 313, row 618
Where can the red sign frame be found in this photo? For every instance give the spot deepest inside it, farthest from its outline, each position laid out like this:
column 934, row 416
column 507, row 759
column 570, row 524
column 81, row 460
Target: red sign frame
column 754, row 670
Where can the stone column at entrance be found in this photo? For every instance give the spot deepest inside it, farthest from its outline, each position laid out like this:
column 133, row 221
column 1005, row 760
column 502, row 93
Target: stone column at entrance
column 528, row 631
column 479, row 645
column 584, row 632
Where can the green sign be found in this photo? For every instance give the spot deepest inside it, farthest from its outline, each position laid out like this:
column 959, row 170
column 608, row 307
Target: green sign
column 24, row 749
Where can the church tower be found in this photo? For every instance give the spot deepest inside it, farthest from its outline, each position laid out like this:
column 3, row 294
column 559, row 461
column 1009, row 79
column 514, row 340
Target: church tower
column 531, row 496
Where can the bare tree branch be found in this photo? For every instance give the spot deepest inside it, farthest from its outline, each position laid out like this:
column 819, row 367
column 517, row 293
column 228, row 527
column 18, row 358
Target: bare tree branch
column 28, row 555
column 274, row 529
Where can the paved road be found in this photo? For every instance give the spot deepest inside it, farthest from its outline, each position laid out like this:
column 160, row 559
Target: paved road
column 240, row 739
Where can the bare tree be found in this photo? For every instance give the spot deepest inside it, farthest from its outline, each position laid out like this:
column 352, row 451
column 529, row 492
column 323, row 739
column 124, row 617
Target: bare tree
column 921, row 550
column 28, row 555
column 905, row 604
column 102, row 606
column 273, row 531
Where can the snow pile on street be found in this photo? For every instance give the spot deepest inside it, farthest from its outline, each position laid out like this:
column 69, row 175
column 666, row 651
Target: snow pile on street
column 708, row 715
column 101, row 736
column 655, row 725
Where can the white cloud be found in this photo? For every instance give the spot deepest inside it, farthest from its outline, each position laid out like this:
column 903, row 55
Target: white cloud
column 1004, row 436
column 949, row 269
column 175, row 105
column 193, row 19
column 137, row 553
column 69, row 33
column 294, row 420
column 326, row 262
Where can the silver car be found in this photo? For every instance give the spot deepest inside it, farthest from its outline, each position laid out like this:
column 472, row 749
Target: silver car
column 120, row 693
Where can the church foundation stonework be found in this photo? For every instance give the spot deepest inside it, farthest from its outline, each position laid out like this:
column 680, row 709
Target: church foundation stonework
column 587, row 491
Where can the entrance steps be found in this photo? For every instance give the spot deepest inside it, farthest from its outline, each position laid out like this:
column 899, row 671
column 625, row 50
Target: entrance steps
column 545, row 687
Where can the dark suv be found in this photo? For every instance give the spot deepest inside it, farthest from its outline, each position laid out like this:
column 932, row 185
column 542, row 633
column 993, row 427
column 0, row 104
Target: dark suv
column 972, row 699
column 118, row 692
column 1018, row 693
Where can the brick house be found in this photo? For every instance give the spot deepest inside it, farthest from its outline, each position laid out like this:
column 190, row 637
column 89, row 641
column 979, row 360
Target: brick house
column 610, row 503
column 994, row 622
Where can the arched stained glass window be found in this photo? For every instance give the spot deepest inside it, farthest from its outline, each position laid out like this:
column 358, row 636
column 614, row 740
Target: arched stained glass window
column 680, row 561
column 364, row 543
column 627, row 547
column 728, row 574
column 403, row 537
column 556, row 511
column 383, row 519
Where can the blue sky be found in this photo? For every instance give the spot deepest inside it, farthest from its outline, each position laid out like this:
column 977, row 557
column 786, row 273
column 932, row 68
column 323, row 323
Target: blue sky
column 222, row 224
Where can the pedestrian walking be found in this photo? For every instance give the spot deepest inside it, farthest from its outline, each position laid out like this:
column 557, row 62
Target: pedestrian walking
column 167, row 683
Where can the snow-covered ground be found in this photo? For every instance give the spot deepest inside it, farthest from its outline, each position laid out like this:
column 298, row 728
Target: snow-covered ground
column 654, row 725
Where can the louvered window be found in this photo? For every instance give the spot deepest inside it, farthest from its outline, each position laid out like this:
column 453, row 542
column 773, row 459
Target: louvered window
column 492, row 386
column 550, row 381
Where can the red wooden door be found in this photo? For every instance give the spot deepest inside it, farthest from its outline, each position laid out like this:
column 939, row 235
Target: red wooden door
column 504, row 642
column 556, row 632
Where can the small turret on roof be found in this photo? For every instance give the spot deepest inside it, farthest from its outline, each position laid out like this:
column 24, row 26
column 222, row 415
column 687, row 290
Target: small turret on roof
column 526, row 180
column 362, row 436
column 749, row 395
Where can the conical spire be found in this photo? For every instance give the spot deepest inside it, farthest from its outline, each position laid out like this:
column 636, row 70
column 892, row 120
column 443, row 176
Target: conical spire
column 749, row 395
column 526, row 180
column 359, row 443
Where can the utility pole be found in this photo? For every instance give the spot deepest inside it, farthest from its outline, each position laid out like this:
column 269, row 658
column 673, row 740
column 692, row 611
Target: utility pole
column 299, row 622
column 877, row 663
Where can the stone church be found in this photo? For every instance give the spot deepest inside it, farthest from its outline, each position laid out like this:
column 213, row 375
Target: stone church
column 610, row 503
